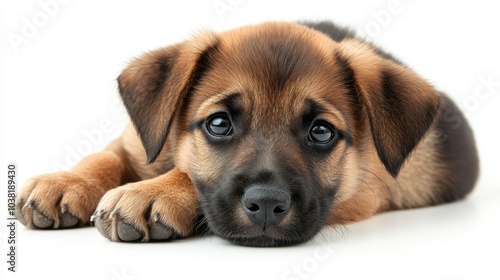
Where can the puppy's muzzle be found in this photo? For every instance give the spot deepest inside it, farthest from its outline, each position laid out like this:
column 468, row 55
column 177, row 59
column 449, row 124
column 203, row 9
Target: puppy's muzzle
column 265, row 205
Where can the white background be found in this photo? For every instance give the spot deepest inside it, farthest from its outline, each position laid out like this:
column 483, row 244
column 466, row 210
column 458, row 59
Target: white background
column 58, row 84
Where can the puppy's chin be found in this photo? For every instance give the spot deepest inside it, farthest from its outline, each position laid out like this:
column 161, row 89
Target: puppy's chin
column 274, row 236
column 263, row 241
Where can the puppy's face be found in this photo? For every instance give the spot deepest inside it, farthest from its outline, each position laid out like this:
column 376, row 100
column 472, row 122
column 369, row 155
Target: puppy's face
column 274, row 125
column 270, row 137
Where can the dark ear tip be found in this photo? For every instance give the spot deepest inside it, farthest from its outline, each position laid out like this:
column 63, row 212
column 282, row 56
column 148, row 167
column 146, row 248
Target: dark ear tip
column 151, row 158
column 393, row 167
column 394, row 172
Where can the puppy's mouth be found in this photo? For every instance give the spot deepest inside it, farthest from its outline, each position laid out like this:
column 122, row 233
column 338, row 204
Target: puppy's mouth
column 256, row 236
column 262, row 216
column 273, row 236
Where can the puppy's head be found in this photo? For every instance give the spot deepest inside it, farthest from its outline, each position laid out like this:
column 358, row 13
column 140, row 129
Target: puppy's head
column 276, row 123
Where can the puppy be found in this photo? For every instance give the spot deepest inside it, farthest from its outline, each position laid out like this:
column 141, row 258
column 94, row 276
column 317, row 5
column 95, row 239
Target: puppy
column 263, row 135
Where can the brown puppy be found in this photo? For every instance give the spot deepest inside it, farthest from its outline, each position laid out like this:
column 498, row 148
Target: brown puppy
column 264, row 134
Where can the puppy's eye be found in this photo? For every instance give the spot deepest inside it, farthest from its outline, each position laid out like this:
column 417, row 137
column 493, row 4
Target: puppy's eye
column 219, row 125
column 321, row 133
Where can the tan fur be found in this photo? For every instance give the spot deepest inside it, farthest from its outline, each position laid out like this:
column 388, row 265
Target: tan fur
column 420, row 172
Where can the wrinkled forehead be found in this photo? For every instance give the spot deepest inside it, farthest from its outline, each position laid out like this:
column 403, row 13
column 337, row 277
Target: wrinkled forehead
column 274, row 70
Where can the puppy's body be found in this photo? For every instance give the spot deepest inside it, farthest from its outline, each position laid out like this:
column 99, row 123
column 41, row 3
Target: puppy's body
column 272, row 131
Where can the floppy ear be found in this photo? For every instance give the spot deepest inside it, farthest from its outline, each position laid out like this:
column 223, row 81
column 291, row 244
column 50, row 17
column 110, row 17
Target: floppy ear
column 400, row 105
column 154, row 86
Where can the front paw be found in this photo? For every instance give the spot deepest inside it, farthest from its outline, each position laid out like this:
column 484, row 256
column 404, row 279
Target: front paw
column 146, row 211
column 58, row 200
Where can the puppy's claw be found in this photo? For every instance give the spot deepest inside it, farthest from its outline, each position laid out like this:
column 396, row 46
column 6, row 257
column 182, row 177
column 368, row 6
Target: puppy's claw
column 127, row 233
column 68, row 220
column 160, row 232
column 40, row 220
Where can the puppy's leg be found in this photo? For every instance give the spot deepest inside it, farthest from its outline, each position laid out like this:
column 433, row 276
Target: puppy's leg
column 68, row 198
column 161, row 208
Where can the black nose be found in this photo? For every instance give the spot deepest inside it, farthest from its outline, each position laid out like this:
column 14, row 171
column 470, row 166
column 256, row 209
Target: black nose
column 265, row 205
